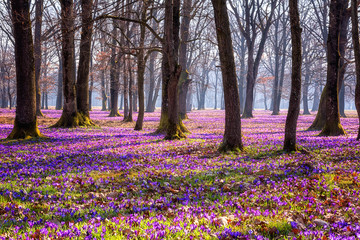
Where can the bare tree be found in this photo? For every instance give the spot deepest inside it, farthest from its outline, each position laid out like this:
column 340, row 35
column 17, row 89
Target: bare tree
column 232, row 136
column 295, row 95
column 338, row 11
column 256, row 19
column 25, row 125
column 356, row 43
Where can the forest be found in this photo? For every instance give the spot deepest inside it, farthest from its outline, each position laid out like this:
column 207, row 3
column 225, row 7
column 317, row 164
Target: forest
column 179, row 119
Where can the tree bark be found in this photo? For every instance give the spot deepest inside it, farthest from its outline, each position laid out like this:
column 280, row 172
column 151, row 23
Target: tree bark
column 332, row 124
column 295, row 95
column 356, row 43
column 25, row 125
column 82, row 84
column 232, row 136
column 37, row 52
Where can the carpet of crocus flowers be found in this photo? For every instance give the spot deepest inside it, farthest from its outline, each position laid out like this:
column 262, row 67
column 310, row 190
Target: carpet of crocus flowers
column 111, row 182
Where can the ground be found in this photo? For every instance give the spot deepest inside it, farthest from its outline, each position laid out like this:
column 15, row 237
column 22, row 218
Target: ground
column 111, row 182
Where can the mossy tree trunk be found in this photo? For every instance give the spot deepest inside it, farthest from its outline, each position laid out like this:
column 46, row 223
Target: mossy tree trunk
column 25, row 125
column 332, row 124
column 37, row 52
column 232, row 136
column 295, row 94
column 70, row 117
column 341, row 41
column 170, row 122
column 82, row 84
column 356, row 43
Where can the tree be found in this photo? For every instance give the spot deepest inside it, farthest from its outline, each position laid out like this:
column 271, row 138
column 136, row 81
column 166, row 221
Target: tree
column 141, row 63
column 114, row 74
column 37, row 52
column 356, row 43
column 25, row 125
column 255, row 21
column 82, row 84
column 332, row 126
column 232, row 136
column 70, row 116
column 170, row 123
column 295, row 95
column 341, row 21
column 184, row 81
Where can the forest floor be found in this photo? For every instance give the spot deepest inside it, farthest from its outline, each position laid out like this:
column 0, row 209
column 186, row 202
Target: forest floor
column 111, row 182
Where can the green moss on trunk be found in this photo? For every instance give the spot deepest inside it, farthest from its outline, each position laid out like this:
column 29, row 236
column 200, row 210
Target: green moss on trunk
column 174, row 132
column 78, row 120
column 114, row 114
column 225, row 147
column 25, row 131
column 332, row 129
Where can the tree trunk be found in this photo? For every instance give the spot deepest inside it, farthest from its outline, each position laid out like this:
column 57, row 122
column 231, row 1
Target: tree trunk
column 82, row 84
column 184, row 77
column 232, row 136
column 355, row 38
column 70, row 117
column 295, row 95
column 340, row 41
column 91, row 87
column 121, row 102
column 46, row 101
column 103, row 91
column 342, row 100
column 332, row 124
column 4, row 103
column 129, row 117
column 156, row 95
column 25, row 125
column 37, row 52
column 170, row 122
column 250, row 83
column 275, row 90
column 59, row 95
column 114, row 76
column 141, row 64
column 306, row 90
column 276, row 110
column 316, row 101
column 216, row 88
column 126, row 90
column 152, row 83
